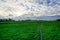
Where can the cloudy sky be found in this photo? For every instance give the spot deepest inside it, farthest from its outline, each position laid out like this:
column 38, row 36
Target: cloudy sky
column 17, row 8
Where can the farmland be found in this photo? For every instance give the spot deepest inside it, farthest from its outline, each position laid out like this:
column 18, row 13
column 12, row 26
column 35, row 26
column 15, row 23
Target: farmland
column 30, row 30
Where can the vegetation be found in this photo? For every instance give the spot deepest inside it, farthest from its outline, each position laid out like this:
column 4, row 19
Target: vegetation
column 30, row 30
column 6, row 20
column 58, row 20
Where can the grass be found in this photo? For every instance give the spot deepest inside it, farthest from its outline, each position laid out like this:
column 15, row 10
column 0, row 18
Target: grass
column 30, row 30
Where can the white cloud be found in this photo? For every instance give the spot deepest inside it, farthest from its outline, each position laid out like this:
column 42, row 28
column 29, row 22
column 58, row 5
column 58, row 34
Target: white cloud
column 14, row 8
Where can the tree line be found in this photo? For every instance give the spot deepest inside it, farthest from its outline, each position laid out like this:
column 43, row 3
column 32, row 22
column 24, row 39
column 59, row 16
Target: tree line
column 6, row 20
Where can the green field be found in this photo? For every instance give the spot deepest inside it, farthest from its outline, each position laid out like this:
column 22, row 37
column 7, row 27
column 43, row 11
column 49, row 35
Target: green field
column 30, row 30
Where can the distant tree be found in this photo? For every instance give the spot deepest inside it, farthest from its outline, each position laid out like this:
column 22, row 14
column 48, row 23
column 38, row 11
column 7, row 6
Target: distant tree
column 58, row 19
column 0, row 20
column 28, row 20
column 3, row 20
column 6, row 20
column 10, row 19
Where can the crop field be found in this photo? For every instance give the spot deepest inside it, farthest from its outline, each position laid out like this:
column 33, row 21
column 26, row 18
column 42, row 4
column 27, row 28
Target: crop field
column 39, row 30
